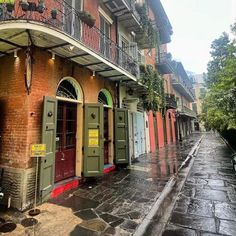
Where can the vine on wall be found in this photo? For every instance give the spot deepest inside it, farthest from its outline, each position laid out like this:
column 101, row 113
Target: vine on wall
column 155, row 98
column 148, row 37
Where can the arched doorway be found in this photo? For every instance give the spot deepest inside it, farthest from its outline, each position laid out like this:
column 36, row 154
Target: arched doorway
column 104, row 97
column 69, row 126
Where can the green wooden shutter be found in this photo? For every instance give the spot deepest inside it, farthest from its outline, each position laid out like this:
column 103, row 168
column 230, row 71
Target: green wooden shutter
column 121, row 136
column 47, row 163
column 93, row 140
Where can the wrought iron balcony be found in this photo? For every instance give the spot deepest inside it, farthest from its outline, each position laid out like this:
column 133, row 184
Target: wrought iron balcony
column 126, row 12
column 67, row 20
column 164, row 63
column 183, row 110
column 181, row 82
column 183, row 88
column 170, row 101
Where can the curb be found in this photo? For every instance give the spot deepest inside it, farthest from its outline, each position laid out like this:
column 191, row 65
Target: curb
column 227, row 143
column 166, row 191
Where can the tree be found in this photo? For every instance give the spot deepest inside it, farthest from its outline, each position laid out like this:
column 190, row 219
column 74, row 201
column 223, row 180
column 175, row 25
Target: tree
column 219, row 105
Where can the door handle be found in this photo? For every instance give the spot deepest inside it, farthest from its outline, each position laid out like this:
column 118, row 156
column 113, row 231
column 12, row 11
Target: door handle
column 63, row 157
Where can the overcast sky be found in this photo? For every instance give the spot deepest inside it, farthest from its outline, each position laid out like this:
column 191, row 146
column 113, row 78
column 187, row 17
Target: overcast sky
column 196, row 23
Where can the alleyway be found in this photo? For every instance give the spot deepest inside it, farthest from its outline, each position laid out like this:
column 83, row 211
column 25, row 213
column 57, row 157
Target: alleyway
column 206, row 205
column 117, row 203
column 113, row 204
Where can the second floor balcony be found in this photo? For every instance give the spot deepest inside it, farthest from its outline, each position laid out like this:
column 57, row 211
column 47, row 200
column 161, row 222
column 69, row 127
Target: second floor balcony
column 164, row 63
column 62, row 30
column 183, row 88
column 125, row 11
column 170, row 101
column 183, row 110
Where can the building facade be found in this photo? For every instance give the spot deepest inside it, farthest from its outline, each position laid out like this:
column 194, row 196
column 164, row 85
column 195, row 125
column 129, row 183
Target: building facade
column 70, row 78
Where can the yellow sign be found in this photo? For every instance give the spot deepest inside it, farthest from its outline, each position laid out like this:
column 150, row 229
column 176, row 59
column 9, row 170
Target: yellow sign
column 38, row 150
column 93, row 137
column 93, row 142
column 93, row 133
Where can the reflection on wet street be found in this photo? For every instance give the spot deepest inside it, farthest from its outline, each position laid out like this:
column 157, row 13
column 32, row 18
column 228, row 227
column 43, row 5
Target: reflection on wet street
column 117, row 202
column 206, row 204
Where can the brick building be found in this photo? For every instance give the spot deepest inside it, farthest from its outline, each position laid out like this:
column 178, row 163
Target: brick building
column 70, row 78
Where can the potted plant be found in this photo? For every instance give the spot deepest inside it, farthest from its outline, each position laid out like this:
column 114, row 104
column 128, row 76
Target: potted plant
column 87, row 18
column 10, row 4
column 41, row 6
column 24, row 5
column 54, row 13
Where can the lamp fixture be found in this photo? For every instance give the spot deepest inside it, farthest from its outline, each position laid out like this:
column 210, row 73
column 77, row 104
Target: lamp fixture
column 53, row 55
column 71, row 47
column 93, row 74
column 15, row 53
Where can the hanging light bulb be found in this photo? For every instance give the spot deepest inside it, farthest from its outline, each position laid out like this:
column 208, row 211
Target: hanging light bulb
column 53, row 55
column 71, row 47
column 15, row 53
column 93, row 73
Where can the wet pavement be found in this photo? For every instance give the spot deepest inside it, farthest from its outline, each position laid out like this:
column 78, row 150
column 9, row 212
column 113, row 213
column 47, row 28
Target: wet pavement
column 206, row 205
column 114, row 204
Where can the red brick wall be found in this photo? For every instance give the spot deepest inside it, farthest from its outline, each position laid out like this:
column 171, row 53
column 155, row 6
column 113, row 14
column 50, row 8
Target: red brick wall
column 151, row 132
column 13, row 109
column 21, row 114
column 161, row 142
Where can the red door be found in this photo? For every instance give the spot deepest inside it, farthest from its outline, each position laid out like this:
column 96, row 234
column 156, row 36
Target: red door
column 106, row 136
column 66, row 141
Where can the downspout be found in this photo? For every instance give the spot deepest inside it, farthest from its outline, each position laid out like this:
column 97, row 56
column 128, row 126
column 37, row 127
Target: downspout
column 118, row 82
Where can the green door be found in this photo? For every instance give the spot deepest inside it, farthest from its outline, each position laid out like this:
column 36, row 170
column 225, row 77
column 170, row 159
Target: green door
column 121, row 136
column 93, row 140
column 47, row 163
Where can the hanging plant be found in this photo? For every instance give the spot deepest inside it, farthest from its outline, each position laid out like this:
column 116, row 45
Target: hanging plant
column 10, row 5
column 155, row 98
column 24, row 5
column 148, row 36
column 54, row 13
column 87, row 18
column 41, row 6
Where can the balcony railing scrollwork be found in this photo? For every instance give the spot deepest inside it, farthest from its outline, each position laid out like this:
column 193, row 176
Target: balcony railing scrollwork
column 170, row 101
column 68, row 21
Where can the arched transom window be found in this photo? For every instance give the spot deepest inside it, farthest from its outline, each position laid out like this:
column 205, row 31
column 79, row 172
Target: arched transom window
column 69, row 89
column 105, row 98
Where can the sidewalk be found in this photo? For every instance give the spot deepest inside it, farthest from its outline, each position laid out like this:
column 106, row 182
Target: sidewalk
column 206, row 206
column 114, row 204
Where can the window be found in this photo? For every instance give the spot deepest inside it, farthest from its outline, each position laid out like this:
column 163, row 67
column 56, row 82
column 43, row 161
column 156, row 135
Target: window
column 105, row 36
column 66, row 90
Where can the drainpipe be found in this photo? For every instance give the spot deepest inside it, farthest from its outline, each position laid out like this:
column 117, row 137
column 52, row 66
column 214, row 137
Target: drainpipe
column 117, row 83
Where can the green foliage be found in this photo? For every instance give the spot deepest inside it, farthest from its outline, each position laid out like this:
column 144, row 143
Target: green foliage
column 155, row 98
column 148, row 37
column 219, row 105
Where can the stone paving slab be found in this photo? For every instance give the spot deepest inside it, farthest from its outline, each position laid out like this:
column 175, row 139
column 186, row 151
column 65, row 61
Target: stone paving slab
column 116, row 203
column 206, row 205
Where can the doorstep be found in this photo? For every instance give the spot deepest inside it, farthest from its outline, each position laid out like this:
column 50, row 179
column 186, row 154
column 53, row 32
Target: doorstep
column 64, row 186
column 108, row 168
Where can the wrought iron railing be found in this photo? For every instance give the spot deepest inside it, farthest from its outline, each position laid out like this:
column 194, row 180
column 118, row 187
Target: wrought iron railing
column 170, row 100
column 184, row 84
column 60, row 15
column 132, row 5
column 187, row 111
column 164, row 57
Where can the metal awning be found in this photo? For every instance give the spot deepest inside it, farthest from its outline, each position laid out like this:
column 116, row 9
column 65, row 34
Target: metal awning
column 18, row 34
column 182, row 90
column 125, row 11
column 137, row 87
